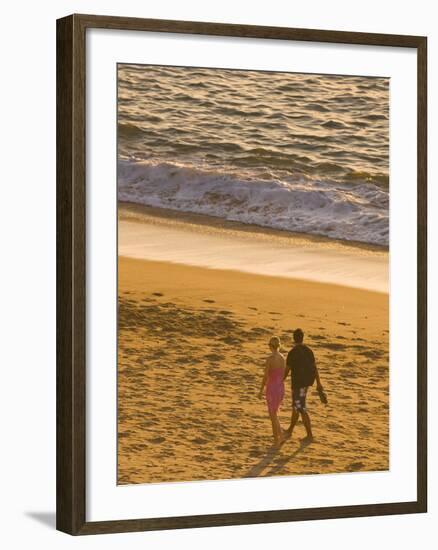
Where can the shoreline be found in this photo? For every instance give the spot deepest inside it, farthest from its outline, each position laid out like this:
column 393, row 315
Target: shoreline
column 141, row 212
column 198, row 240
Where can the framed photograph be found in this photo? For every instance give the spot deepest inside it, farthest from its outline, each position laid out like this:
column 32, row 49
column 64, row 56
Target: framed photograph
column 241, row 274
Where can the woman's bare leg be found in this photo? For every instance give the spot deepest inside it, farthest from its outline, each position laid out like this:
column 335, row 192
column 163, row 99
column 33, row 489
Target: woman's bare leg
column 279, row 430
column 276, row 428
column 274, row 425
column 277, row 425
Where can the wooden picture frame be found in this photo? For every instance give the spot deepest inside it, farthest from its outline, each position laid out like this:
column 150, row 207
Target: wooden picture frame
column 71, row 274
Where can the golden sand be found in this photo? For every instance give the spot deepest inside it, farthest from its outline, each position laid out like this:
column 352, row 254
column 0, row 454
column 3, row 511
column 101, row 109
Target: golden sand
column 192, row 345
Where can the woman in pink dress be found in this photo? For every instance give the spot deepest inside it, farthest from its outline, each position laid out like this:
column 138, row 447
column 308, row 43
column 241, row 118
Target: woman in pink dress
column 273, row 379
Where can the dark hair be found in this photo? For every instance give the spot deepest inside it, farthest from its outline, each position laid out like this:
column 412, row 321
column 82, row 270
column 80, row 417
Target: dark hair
column 298, row 336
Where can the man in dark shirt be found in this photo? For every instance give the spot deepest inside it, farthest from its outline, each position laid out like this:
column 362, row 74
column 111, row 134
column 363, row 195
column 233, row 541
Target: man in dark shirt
column 301, row 364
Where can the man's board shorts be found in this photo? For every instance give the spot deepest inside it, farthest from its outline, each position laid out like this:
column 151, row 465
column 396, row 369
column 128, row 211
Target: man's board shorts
column 299, row 398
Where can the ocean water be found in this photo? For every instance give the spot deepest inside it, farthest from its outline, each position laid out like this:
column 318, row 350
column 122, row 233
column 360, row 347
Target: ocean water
column 298, row 152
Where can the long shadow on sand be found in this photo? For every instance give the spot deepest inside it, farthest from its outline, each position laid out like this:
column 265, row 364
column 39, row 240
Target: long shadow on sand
column 260, row 467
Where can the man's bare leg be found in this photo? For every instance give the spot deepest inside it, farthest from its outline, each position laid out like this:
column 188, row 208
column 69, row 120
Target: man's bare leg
column 306, row 421
column 293, row 421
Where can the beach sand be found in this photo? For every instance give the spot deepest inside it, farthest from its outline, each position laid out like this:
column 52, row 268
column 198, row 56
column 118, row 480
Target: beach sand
column 192, row 345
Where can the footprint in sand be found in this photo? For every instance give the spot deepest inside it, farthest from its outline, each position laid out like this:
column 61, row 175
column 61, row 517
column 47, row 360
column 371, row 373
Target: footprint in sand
column 325, row 461
column 215, row 357
column 227, row 447
column 334, row 346
column 347, row 373
column 157, row 294
column 199, row 441
column 253, row 308
column 317, row 337
column 371, row 353
column 381, row 369
column 185, row 360
column 260, row 330
column 210, row 301
column 332, row 426
column 157, row 440
column 355, row 466
column 230, row 340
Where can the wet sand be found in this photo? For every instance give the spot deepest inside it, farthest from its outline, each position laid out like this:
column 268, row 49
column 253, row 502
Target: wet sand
column 205, row 241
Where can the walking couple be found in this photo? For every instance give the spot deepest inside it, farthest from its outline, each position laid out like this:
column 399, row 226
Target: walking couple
column 301, row 364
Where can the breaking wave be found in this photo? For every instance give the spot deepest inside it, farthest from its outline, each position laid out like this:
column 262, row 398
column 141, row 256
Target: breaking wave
column 357, row 212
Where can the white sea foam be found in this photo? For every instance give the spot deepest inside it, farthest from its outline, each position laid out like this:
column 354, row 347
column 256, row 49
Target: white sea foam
column 352, row 212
